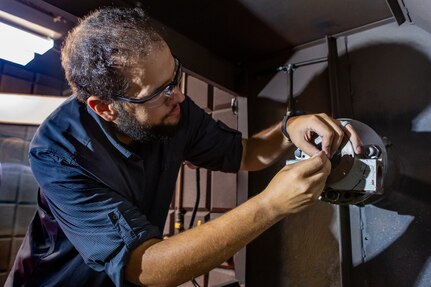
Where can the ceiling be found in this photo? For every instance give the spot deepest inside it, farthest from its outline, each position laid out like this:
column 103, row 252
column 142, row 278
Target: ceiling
column 241, row 30
column 238, row 31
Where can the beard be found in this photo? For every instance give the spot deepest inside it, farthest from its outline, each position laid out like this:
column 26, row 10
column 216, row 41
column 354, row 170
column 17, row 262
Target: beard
column 128, row 125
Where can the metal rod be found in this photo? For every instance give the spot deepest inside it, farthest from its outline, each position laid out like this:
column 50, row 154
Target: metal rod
column 396, row 10
column 345, row 247
column 333, row 76
column 290, row 103
column 302, row 64
column 289, row 69
column 345, row 244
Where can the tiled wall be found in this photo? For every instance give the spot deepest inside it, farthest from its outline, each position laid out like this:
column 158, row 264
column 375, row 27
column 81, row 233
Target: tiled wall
column 18, row 189
column 17, row 79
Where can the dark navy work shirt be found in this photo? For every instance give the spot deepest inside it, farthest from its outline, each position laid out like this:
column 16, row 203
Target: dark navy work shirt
column 99, row 199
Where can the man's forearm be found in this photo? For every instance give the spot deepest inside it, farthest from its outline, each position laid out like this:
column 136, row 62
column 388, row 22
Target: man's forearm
column 194, row 252
column 265, row 148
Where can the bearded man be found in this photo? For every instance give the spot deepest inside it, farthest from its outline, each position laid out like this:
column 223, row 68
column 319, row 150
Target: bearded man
column 107, row 160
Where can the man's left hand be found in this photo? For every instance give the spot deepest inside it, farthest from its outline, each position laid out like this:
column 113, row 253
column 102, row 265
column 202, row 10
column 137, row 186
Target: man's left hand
column 302, row 130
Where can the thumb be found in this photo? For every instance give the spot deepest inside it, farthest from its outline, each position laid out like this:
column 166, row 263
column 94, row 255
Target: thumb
column 314, row 164
column 309, row 148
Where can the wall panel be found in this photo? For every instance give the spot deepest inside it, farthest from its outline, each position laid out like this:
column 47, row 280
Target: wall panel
column 388, row 70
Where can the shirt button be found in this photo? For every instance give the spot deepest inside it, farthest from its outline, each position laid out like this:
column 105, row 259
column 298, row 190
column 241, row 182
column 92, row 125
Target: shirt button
column 113, row 216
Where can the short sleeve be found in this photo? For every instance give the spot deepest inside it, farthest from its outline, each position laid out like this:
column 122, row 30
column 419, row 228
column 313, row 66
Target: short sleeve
column 211, row 144
column 100, row 223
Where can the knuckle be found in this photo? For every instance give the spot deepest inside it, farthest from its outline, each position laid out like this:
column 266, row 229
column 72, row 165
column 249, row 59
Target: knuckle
column 328, row 167
column 319, row 160
column 303, row 187
column 309, row 197
column 295, row 174
column 324, row 115
column 355, row 137
column 315, row 117
column 330, row 135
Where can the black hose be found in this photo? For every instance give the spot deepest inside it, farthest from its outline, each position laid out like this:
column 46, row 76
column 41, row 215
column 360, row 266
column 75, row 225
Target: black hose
column 198, row 197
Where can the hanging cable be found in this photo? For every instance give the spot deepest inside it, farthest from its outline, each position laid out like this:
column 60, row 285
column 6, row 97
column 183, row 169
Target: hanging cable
column 198, row 197
column 195, row 283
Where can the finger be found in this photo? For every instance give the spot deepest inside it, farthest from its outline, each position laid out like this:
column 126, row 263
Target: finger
column 309, row 148
column 338, row 134
column 301, row 134
column 306, row 162
column 313, row 165
column 317, row 126
column 326, row 168
column 330, row 132
column 319, row 180
column 354, row 138
column 333, row 141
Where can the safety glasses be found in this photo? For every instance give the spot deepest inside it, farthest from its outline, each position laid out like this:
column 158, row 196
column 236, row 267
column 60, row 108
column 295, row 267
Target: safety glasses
column 159, row 96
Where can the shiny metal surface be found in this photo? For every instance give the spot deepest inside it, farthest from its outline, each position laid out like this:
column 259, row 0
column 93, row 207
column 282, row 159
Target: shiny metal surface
column 355, row 179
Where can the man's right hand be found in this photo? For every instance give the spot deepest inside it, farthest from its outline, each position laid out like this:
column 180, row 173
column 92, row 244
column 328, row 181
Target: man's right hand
column 198, row 250
column 298, row 185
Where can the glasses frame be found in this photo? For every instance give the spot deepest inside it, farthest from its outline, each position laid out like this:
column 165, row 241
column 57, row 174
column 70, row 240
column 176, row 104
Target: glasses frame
column 166, row 90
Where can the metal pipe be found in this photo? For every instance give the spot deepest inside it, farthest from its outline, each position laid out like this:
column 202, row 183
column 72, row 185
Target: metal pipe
column 333, row 76
column 289, row 69
column 284, row 68
column 345, row 240
column 290, row 103
column 396, row 10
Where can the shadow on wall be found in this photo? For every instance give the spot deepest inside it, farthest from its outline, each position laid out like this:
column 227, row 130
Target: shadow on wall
column 301, row 250
column 391, row 92
column 18, row 192
column 263, row 254
column 298, row 251
column 390, row 89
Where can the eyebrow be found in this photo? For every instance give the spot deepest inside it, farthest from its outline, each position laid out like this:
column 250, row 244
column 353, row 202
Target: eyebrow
column 165, row 84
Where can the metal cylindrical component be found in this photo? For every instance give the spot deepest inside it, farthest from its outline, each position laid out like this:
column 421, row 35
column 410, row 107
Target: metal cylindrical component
column 355, row 178
column 372, row 151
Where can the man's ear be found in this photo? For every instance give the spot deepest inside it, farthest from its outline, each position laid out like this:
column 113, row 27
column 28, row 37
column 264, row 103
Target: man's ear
column 103, row 109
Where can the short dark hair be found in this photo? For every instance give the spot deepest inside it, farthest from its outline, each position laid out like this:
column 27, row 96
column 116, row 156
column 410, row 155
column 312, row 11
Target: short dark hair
column 105, row 42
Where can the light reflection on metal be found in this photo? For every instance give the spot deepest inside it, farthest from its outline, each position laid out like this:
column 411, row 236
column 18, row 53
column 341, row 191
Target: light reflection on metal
column 355, row 179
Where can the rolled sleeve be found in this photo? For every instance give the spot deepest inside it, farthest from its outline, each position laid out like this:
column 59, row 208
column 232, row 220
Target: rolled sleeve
column 211, row 144
column 101, row 224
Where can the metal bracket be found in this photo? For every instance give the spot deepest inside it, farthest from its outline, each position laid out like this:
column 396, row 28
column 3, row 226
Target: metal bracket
column 289, row 69
column 399, row 11
column 234, row 105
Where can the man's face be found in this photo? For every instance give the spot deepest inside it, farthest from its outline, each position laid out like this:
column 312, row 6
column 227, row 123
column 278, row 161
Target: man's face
column 156, row 119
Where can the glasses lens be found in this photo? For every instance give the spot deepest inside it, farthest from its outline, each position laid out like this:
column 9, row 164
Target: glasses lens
column 157, row 100
column 168, row 90
column 160, row 95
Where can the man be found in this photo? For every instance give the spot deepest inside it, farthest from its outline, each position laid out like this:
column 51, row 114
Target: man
column 106, row 162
